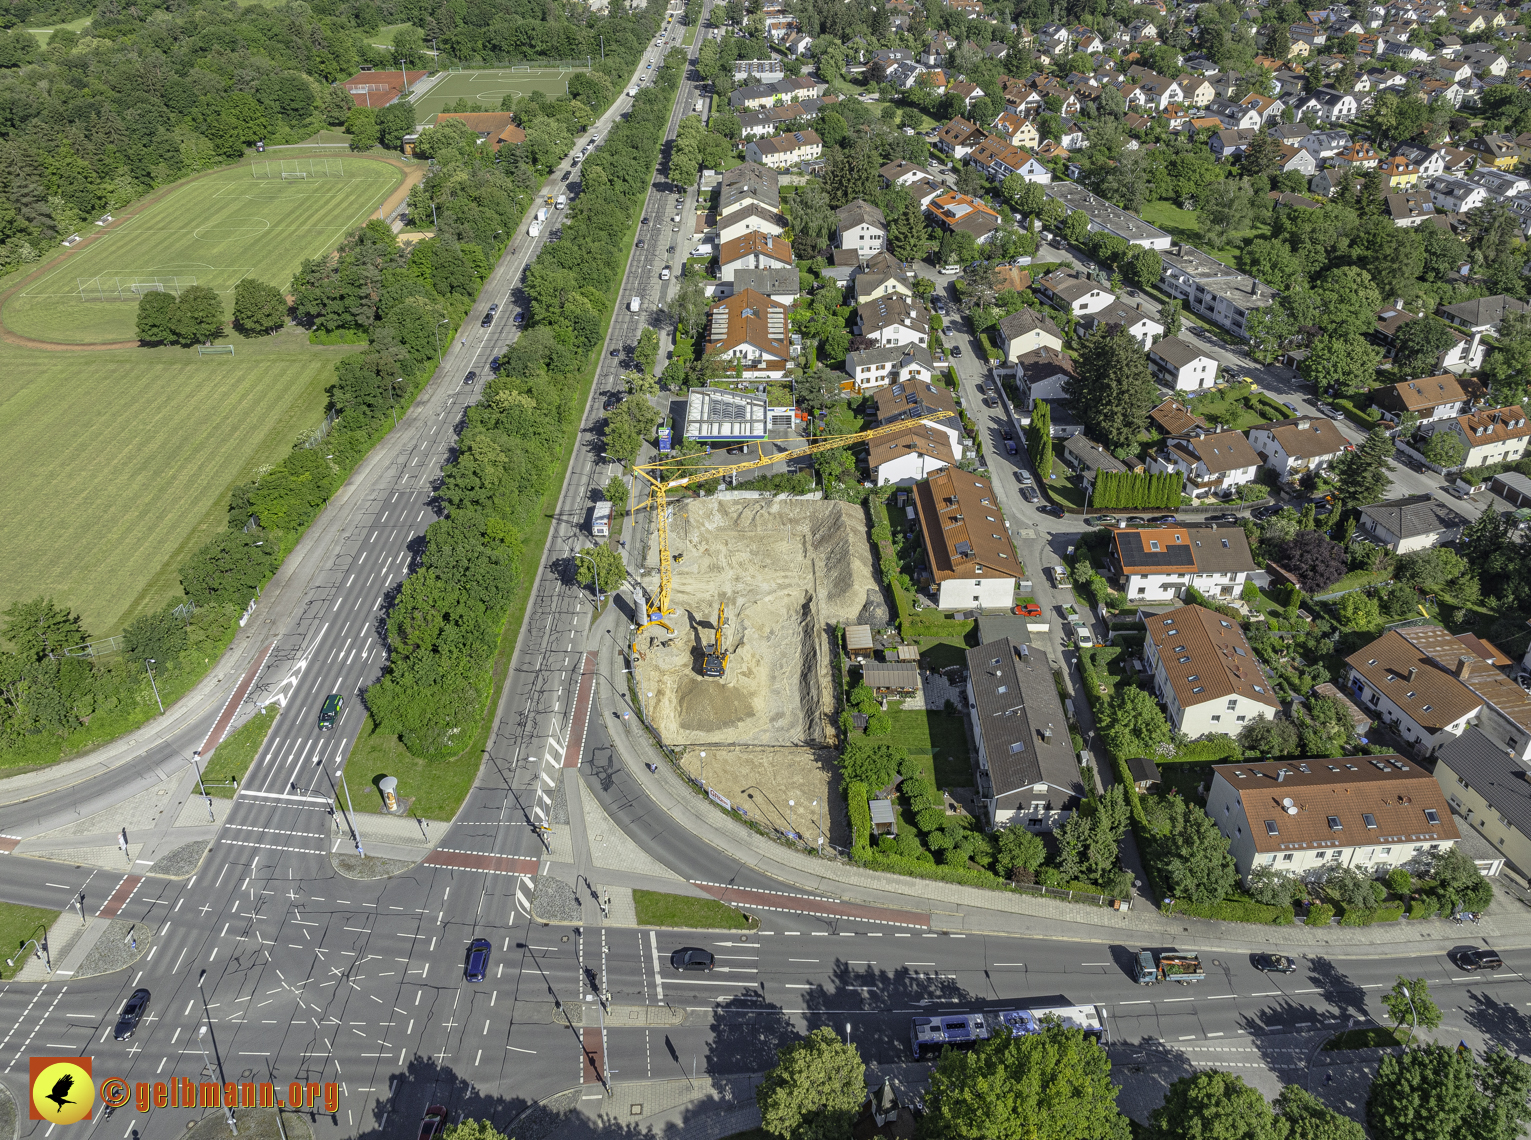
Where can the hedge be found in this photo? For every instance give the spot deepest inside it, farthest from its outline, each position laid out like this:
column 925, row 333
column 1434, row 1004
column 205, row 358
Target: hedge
column 1476, row 475
column 861, row 817
column 1239, row 910
column 1360, row 916
column 1129, row 491
column 918, row 869
column 1319, row 915
column 1216, row 749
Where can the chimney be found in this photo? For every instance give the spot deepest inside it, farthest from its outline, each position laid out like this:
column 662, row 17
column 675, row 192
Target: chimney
column 1462, row 666
column 1413, row 669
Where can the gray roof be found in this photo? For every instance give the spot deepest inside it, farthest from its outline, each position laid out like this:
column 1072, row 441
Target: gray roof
column 1219, row 549
column 1491, row 772
column 748, row 180
column 1414, row 516
column 1023, row 321
column 1104, row 214
column 1141, row 768
column 1089, row 454
column 860, row 213
column 769, row 282
column 1485, row 310
column 1177, row 353
column 1017, row 704
column 891, row 675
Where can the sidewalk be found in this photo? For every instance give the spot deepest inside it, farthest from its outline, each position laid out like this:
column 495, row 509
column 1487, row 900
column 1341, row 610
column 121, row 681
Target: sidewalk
column 961, row 908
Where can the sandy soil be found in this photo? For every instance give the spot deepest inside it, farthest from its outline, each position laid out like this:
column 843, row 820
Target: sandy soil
column 787, row 572
column 762, row 780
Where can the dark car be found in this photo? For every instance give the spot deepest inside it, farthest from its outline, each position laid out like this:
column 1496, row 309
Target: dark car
column 691, row 958
column 956, row 350
column 1275, row 963
column 330, row 713
column 611, row 402
column 1227, row 517
column 640, row 243
column 1049, row 509
column 990, row 402
column 1479, row 960
column 1029, row 494
column 487, row 321
column 432, row 1123
column 494, row 365
column 478, row 959
column 1136, row 520
column 470, row 377
column 519, row 317
column 615, row 352
column 1267, row 511
column 1006, row 433
column 565, row 177
column 132, row 1013
column 1166, row 520
column 645, row 221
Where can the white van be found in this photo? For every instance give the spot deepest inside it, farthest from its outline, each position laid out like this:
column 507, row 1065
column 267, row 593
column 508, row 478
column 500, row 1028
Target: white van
column 634, row 304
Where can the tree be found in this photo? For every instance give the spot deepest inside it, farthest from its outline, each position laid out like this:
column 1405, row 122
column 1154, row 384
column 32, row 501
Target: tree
column 1262, row 157
column 1357, row 610
column 1134, row 724
column 155, row 313
column 1019, row 850
column 1052, row 1085
column 1302, row 1116
column 1144, row 268
column 1410, row 999
column 258, row 307
column 1508, row 366
column 1504, row 1084
column 1169, row 317
column 1076, row 227
column 1418, row 346
column 1444, row 448
column 1344, row 363
column 819, row 389
column 1426, row 1093
column 815, row 1089
column 1192, row 857
column 813, row 220
column 1211, row 1106
column 1317, row 561
column 1347, row 301
column 1272, row 886
column 1114, row 392
column 229, row 568
column 198, row 315
column 1361, row 476
column 39, row 629
column 1223, row 208
column 1278, row 737
column 394, row 122
column 647, row 350
column 361, row 125
column 907, row 235
column 602, row 564
column 616, row 494
column 1458, row 879
column 473, row 1130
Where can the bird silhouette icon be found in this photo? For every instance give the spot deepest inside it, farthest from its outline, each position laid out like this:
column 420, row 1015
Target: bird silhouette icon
column 60, row 1093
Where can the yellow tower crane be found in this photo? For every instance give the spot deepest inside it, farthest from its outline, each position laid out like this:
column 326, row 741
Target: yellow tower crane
column 680, row 471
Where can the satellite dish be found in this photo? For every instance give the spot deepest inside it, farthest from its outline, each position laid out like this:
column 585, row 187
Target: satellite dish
column 1287, row 802
column 1292, row 810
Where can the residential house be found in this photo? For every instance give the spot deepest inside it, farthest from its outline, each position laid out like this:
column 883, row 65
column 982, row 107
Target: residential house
column 1293, row 448
column 905, row 75
column 1430, row 162
column 1027, row 772
column 913, row 394
column 1182, row 365
column 1205, row 672
column 1500, row 183
column 936, row 49
column 753, row 251
column 1215, row 463
column 892, row 320
column 1211, row 289
column 1335, row 106
column 1428, row 398
column 870, row 283
column 860, row 226
column 1157, row 565
column 1113, row 219
column 1017, row 130
column 751, row 219
column 494, row 128
column 1231, row 143
column 1042, row 374
column 1324, row 145
column 785, row 151
column 971, row 559
column 1455, row 195
column 1411, row 209
column 969, row 93
column 1300, row 817
column 1488, row 790
column 1142, row 328
column 750, row 331
column 1197, row 91
column 1293, row 158
column 781, row 285
column 1482, row 315
column 904, row 458
column 958, row 213
column 1088, row 459
column 1269, row 108
column 1026, row 330
column 746, row 184
column 1236, row 116
column 1174, row 418
column 1499, row 150
column 1397, row 174
column 1359, row 155
column 902, row 173
column 905, row 367
column 1415, row 522
column 1073, row 293
column 1488, row 435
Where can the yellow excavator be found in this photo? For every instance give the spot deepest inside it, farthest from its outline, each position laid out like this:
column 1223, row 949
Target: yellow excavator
column 679, row 471
column 715, row 664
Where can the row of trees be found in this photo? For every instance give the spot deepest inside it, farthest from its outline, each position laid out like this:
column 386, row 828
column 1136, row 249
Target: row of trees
column 195, row 316
column 445, row 626
column 1128, row 491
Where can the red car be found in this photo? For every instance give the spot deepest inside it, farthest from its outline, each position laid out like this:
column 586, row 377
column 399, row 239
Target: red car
column 434, row 1120
column 1030, row 609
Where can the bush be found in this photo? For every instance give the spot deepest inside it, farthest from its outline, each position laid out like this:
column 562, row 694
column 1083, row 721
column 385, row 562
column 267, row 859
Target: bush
column 1320, row 915
column 1399, row 881
column 1389, row 912
column 1422, row 908
column 860, row 815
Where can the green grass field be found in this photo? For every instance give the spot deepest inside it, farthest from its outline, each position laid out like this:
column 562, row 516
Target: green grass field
column 488, row 88
column 1183, row 225
column 17, row 924
column 655, row 908
column 45, row 34
column 207, row 231
column 120, row 462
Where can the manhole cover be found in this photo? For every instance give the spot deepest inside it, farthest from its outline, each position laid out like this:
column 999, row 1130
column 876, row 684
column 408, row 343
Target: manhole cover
column 636, row 1110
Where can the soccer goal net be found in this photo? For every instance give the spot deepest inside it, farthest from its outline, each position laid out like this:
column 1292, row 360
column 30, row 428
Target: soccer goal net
column 114, row 287
column 294, row 169
column 215, row 350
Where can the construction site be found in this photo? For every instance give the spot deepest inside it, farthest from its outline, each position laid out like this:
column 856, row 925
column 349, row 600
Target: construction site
column 785, row 572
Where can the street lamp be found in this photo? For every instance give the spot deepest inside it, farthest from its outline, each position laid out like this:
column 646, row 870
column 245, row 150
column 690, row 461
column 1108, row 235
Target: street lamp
column 152, row 685
column 198, row 769
column 1412, row 1012
column 392, row 402
column 437, row 331
column 792, row 827
column 821, row 825
column 41, row 952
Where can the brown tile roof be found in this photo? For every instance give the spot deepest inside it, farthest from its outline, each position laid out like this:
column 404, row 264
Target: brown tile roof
column 497, row 127
column 1174, row 418
column 1393, row 790
column 1490, row 425
column 921, row 437
column 1206, row 658
column 914, row 397
column 1218, row 451
column 962, row 527
column 767, row 245
column 1481, row 677
column 1433, row 696
column 1422, row 394
column 748, row 318
column 1307, row 436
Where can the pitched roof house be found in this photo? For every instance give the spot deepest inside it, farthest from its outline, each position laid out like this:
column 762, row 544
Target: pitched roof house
column 1205, row 672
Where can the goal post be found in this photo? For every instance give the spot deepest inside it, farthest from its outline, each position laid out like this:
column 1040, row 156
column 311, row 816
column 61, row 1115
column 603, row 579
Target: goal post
column 119, row 287
column 293, row 175
column 295, row 169
column 215, row 350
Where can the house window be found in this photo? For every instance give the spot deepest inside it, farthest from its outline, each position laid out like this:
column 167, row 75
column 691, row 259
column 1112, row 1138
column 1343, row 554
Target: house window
column 1286, row 858
column 1233, row 704
column 1335, row 824
column 1217, row 719
column 1271, row 828
column 1370, row 820
column 1432, row 816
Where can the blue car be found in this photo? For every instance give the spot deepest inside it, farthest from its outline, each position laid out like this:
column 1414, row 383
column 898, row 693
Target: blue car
column 478, row 959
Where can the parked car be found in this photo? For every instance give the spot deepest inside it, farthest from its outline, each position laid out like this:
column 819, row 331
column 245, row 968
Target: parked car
column 691, row 958
column 1031, row 496
column 1289, row 406
column 1266, row 512
column 990, row 402
column 1049, row 509
column 1225, row 517
column 1136, row 520
column 1453, row 489
column 956, row 350
column 1006, row 433
column 1166, row 520
column 1479, row 960
column 612, row 400
column 1024, row 476
column 133, row 1011
column 1107, row 520
column 1030, row 609
column 1275, row 963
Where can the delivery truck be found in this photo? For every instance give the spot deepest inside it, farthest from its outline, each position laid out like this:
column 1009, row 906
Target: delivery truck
column 600, row 520
column 542, row 214
column 632, row 93
column 1169, row 966
column 698, row 107
column 563, row 200
column 534, row 229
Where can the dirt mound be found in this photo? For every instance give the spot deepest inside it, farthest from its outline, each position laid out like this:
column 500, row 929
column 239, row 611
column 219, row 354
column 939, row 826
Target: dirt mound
column 787, row 571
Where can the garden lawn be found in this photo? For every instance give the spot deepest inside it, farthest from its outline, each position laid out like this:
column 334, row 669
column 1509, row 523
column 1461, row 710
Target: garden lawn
column 1183, row 225
column 438, row 787
column 214, row 229
column 938, row 741
column 119, row 463
column 944, row 652
column 656, row 908
column 1355, row 580
column 1064, row 488
column 1235, row 406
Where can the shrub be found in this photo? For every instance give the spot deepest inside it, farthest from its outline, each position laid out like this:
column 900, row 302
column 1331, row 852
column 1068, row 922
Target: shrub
column 1399, row 881
column 1320, row 915
column 930, row 819
column 860, row 814
column 1389, row 912
column 1422, row 908
column 1238, row 910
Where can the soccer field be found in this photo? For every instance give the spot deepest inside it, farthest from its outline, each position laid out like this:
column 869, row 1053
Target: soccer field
column 210, row 231
column 489, row 87
column 119, row 462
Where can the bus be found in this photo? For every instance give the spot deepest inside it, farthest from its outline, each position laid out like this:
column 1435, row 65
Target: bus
column 964, row 1030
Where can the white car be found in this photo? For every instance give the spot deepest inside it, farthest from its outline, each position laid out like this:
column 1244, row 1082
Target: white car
column 664, row 274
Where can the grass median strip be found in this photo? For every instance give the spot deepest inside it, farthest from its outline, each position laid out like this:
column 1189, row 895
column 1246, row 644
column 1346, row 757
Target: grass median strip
column 232, row 758
column 17, row 924
column 656, row 908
